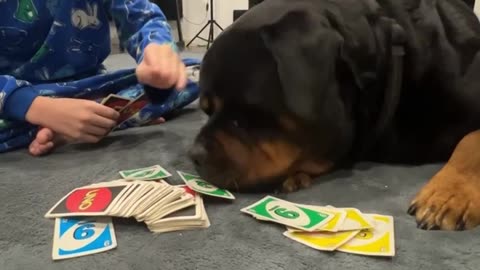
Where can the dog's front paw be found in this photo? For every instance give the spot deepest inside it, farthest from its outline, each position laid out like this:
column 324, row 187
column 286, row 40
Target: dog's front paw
column 296, row 182
column 450, row 201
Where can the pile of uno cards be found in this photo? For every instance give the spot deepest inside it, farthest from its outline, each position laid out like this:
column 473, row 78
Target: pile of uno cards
column 83, row 217
column 327, row 228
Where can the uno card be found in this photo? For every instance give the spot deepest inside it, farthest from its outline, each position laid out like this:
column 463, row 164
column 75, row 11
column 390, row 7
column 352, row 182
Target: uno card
column 325, row 241
column 333, row 225
column 153, row 208
column 132, row 108
column 377, row 241
column 80, row 236
column 147, row 189
column 201, row 186
column 148, row 173
column 289, row 214
column 181, row 203
column 116, row 102
column 185, row 219
column 355, row 220
column 137, row 188
column 88, row 201
column 148, row 200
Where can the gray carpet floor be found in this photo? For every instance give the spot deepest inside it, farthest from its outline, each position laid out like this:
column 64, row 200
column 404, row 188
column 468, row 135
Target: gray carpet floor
column 30, row 186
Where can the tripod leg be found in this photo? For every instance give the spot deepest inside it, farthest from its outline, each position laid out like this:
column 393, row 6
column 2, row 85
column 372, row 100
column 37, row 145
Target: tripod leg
column 198, row 34
column 215, row 22
column 211, row 35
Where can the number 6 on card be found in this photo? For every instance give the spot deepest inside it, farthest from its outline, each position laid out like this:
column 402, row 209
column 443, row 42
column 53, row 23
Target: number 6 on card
column 287, row 213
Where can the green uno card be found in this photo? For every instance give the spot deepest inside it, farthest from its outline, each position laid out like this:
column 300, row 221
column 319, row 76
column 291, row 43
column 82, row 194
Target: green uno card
column 201, row 186
column 287, row 213
column 148, row 173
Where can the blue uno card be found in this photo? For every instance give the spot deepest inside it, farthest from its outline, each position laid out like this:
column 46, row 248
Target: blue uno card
column 74, row 237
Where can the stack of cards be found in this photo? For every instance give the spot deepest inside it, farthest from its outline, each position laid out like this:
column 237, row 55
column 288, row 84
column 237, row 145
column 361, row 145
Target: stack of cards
column 146, row 201
column 84, row 225
column 329, row 228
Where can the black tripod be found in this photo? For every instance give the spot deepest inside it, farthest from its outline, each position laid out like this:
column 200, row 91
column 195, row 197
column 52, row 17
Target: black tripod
column 210, row 23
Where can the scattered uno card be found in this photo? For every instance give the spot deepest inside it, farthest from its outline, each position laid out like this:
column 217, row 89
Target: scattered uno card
column 377, row 241
column 80, row 236
column 201, row 186
column 354, row 220
column 328, row 228
column 333, row 225
column 289, row 214
column 116, row 102
column 132, row 108
column 95, row 200
column 326, row 241
column 149, row 173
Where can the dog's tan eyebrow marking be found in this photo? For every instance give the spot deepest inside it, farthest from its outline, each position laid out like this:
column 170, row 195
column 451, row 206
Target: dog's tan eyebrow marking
column 287, row 122
column 217, row 103
column 205, row 104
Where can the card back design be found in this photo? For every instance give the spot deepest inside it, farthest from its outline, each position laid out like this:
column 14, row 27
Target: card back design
column 86, row 201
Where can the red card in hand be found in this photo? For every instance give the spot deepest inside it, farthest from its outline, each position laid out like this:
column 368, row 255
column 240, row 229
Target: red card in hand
column 116, row 102
column 132, row 108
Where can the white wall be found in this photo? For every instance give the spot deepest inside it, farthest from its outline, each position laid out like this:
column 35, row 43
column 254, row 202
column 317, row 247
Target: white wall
column 196, row 16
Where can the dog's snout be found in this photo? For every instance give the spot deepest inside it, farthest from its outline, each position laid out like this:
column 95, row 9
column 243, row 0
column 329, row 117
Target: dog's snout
column 198, row 154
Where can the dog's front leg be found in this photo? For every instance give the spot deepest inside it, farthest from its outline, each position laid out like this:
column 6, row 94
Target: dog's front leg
column 451, row 199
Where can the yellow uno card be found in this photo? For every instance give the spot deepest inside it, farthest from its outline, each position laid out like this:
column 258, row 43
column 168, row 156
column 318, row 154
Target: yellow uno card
column 325, row 241
column 355, row 220
column 332, row 225
column 378, row 241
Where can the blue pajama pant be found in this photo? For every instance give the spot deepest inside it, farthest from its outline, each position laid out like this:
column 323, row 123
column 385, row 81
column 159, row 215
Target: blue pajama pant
column 15, row 134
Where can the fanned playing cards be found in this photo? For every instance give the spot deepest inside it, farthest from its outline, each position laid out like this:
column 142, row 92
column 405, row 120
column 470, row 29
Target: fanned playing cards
column 327, row 228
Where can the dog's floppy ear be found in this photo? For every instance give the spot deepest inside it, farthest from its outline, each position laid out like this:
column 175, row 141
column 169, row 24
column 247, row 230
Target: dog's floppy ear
column 306, row 50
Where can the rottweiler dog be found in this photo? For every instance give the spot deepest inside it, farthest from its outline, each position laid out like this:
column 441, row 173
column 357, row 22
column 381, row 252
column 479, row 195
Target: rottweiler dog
column 296, row 89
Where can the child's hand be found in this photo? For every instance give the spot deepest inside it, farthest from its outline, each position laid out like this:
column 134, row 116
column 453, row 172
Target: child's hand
column 162, row 68
column 79, row 120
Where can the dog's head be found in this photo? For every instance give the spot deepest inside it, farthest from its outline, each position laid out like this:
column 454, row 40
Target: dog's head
column 270, row 86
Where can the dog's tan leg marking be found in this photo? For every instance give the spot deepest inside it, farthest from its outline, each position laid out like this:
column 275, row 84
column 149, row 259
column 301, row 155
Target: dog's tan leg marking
column 451, row 199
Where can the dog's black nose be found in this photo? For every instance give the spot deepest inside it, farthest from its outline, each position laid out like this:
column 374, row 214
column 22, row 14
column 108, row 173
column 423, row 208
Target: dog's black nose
column 198, row 154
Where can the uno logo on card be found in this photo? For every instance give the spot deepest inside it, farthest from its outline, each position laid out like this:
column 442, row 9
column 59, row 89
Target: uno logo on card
column 287, row 213
column 91, row 200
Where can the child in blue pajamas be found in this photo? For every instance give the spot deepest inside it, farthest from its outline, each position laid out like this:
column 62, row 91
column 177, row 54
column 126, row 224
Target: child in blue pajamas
column 51, row 73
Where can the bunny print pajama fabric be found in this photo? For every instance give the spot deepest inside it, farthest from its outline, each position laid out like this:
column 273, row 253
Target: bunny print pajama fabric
column 56, row 48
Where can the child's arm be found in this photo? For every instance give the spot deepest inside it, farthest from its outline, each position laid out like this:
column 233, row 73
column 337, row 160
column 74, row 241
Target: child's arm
column 139, row 23
column 16, row 97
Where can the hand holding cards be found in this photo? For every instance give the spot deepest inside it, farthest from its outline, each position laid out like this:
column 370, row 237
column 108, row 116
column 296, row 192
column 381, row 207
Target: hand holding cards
column 328, row 228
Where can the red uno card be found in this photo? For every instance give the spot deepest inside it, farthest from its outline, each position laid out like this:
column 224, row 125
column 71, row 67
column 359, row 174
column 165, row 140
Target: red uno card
column 132, row 108
column 116, row 102
column 88, row 201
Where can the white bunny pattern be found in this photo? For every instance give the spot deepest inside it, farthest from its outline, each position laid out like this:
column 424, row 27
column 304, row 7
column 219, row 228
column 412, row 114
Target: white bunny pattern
column 82, row 19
